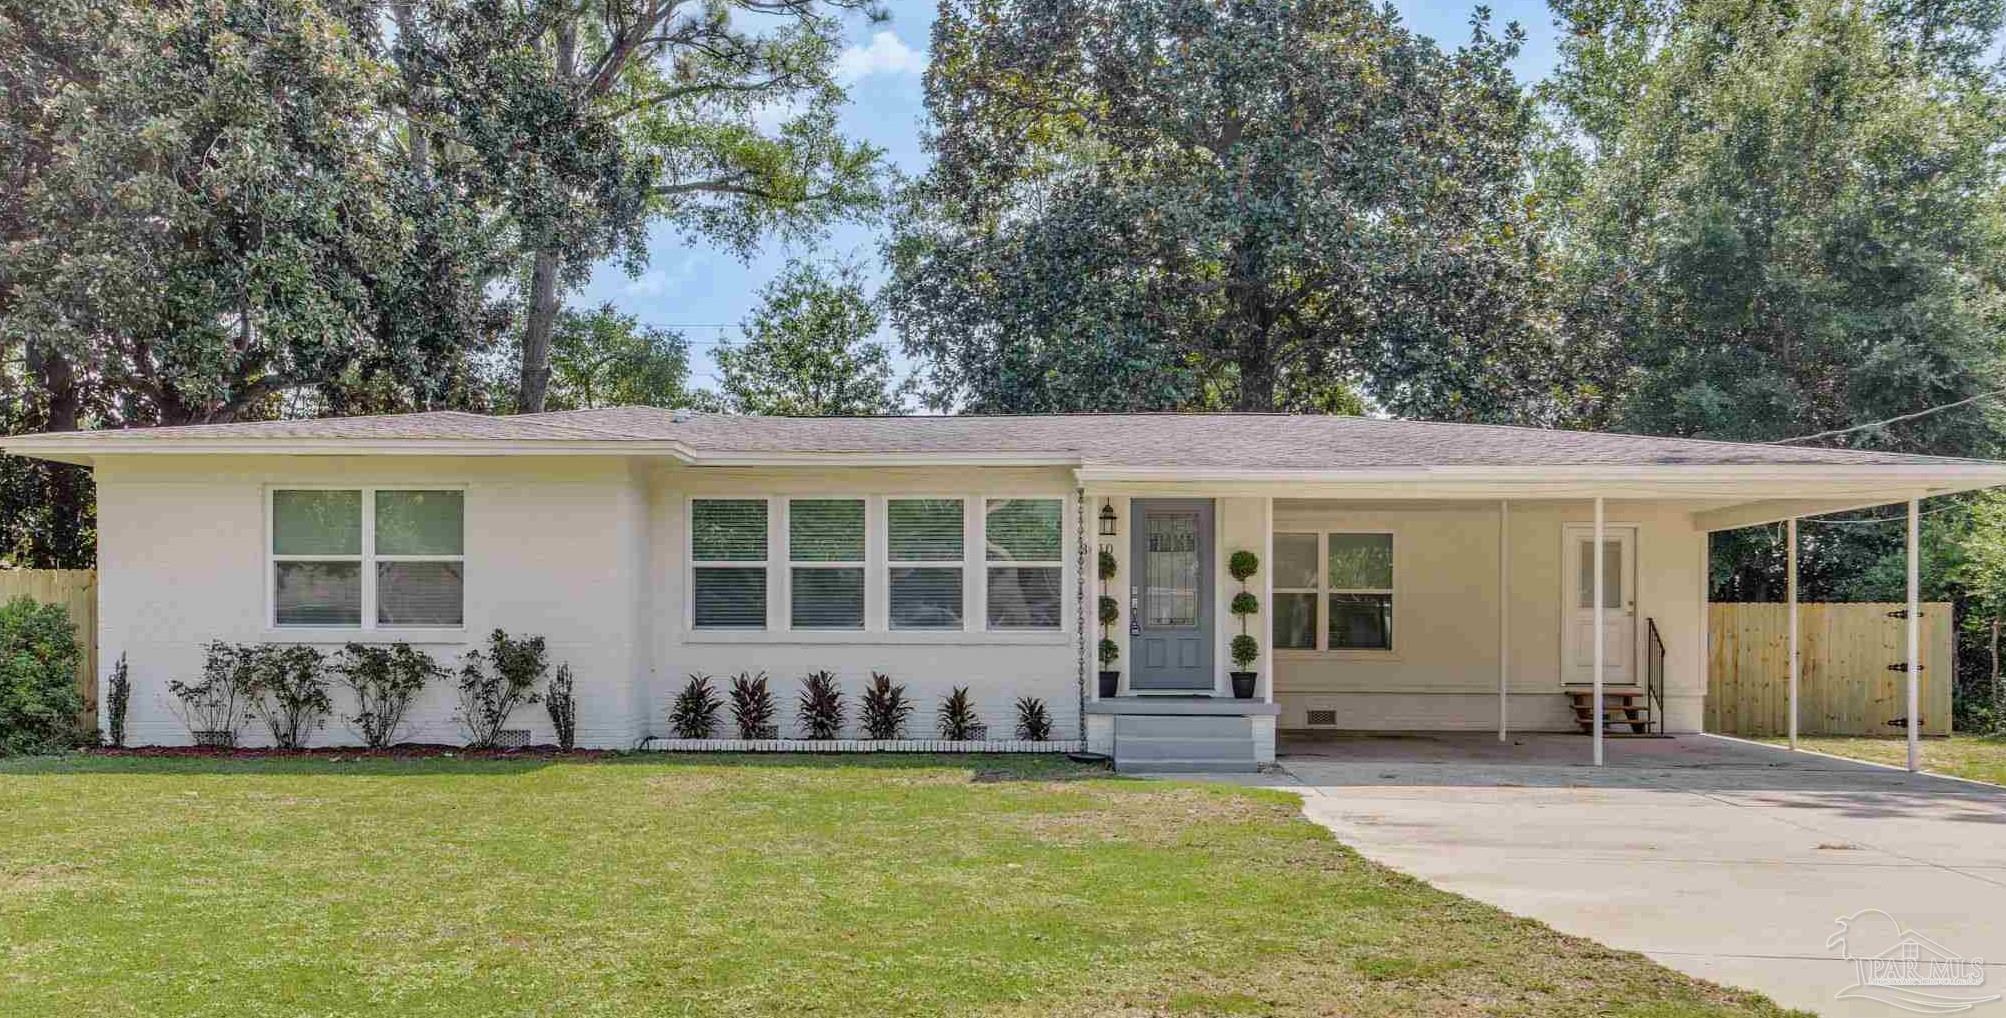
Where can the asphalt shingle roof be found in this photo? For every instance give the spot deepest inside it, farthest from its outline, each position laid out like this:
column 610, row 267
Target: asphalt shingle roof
column 1233, row 441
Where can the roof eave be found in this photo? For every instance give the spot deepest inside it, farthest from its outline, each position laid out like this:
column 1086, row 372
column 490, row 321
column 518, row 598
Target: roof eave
column 67, row 449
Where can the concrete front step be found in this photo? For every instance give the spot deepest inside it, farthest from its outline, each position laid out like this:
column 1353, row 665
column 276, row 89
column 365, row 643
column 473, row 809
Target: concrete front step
column 1183, row 743
column 1188, row 767
column 1132, row 748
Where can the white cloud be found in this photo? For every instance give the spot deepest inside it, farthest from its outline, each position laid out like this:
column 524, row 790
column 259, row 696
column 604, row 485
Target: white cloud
column 887, row 54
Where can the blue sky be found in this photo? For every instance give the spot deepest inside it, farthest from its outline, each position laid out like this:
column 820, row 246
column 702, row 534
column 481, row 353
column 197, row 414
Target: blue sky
column 705, row 292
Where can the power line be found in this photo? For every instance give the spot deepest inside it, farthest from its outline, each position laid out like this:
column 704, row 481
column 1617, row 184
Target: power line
column 1892, row 420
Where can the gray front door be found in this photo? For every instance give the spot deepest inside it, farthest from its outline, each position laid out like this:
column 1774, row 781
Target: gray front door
column 1170, row 594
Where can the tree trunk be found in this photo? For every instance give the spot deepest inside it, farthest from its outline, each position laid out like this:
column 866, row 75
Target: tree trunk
column 1998, row 691
column 535, row 382
column 419, row 141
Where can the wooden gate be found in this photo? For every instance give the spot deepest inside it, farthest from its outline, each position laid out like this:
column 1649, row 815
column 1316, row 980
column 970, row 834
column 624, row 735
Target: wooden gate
column 1844, row 684
column 76, row 590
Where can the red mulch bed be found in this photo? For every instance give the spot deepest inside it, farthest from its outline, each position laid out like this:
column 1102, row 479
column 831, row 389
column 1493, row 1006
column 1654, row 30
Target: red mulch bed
column 401, row 751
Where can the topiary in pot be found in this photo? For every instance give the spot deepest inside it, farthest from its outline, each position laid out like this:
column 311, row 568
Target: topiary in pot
column 1109, row 613
column 1245, row 649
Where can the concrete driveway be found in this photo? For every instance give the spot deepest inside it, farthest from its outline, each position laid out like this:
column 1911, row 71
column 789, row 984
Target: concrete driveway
column 1727, row 860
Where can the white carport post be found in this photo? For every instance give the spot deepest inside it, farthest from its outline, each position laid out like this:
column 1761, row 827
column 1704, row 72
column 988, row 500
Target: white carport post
column 1790, row 585
column 1914, row 662
column 1600, row 635
column 1504, row 614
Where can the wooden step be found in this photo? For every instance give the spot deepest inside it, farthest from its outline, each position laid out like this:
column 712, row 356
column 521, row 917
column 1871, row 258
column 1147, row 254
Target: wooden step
column 1621, row 705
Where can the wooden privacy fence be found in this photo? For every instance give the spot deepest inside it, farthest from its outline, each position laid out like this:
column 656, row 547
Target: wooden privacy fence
column 1844, row 684
column 76, row 590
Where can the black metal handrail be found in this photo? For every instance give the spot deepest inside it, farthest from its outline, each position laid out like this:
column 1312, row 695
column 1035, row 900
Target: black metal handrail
column 1654, row 676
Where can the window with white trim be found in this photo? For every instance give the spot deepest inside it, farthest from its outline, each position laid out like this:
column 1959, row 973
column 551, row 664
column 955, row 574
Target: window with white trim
column 400, row 565
column 728, row 563
column 826, row 556
column 923, row 562
column 1347, row 577
column 1023, row 542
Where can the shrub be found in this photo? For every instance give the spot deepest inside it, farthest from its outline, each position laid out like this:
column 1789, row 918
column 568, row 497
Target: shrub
column 117, row 697
column 1106, row 564
column 1242, row 564
column 1110, row 610
column 1244, row 603
column 752, row 707
column 39, row 702
column 1034, row 722
column 693, row 715
column 885, row 708
column 1245, row 650
column 494, row 684
column 563, row 708
column 958, row 720
column 384, row 681
column 821, row 706
column 212, row 707
column 287, row 691
column 1110, row 652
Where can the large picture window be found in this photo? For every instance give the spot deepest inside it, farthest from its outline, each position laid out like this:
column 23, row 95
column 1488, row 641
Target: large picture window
column 923, row 559
column 1024, row 541
column 825, row 551
column 368, row 558
column 728, row 553
column 1348, row 577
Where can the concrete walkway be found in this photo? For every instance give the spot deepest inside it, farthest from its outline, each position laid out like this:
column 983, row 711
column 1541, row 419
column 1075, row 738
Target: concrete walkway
column 1731, row 861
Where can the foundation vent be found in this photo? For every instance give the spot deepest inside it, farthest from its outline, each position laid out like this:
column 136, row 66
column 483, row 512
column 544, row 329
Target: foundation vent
column 1324, row 718
column 512, row 738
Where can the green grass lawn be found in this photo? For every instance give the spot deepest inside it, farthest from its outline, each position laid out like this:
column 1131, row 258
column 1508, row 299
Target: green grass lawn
column 737, row 886
column 1978, row 757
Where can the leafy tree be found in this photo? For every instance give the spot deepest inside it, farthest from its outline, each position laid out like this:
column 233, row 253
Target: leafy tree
column 605, row 358
column 809, row 351
column 596, row 119
column 1783, row 218
column 209, row 215
column 1153, row 204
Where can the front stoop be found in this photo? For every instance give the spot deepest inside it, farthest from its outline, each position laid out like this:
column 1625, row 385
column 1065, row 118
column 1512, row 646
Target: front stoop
column 1160, row 734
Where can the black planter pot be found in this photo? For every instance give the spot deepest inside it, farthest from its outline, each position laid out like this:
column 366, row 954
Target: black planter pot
column 1243, row 685
column 1110, row 684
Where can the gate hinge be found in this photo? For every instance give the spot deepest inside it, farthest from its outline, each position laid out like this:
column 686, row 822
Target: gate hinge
column 1902, row 613
column 1902, row 666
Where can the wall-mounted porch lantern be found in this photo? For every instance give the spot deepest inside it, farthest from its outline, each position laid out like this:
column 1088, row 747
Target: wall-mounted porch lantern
column 1107, row 519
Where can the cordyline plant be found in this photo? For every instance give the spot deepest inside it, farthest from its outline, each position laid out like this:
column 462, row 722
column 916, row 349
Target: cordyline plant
column 1034, row 722
column 384, row 681
column 694, row 713
column 752, row 707
column 494, row 684
column 885, row 708
column 958, row 719
column 821, row 706
column 288, row 691
column 563, row 708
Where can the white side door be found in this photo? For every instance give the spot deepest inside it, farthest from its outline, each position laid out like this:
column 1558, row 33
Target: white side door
column 1619, row 599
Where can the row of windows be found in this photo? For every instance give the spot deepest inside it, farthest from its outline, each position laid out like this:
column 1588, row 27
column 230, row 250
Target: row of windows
column 1346, row 576
column 825, row 555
